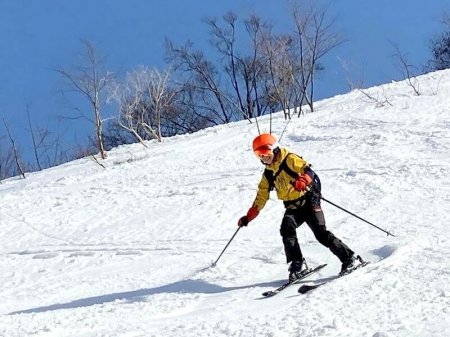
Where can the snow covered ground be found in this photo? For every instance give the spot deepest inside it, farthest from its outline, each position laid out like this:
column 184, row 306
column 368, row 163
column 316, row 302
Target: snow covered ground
column 126, row 250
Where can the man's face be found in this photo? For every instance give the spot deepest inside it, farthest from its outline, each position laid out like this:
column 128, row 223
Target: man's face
column 267, row 159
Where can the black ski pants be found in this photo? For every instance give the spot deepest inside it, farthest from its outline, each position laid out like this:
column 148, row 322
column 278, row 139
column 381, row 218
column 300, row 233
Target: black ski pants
column 313, row 215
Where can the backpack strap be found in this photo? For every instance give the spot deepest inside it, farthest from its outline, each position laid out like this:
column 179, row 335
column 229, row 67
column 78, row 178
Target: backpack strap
column 271, row 176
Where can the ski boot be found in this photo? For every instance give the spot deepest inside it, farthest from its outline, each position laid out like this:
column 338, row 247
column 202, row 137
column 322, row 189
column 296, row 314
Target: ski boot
column 348, row 265
column 297, row 270
column 351, row 264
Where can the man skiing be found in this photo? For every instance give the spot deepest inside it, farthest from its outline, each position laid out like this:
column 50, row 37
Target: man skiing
column 298, row 187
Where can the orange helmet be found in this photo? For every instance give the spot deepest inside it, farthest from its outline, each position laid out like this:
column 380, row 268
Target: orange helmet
column 264, row 144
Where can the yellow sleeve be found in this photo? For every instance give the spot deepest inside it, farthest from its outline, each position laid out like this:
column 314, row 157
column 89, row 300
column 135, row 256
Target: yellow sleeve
column 263, row 193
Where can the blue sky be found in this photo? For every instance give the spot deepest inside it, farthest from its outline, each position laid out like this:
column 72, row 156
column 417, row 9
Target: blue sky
column 37, row 36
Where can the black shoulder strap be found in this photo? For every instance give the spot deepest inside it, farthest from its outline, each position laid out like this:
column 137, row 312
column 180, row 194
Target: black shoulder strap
column 271, row 177
column 285, row 167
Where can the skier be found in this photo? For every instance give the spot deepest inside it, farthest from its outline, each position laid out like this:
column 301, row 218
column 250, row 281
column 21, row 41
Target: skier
column 299, row 188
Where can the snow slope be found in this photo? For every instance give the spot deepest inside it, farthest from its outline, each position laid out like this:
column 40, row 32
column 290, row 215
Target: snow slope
column 126, row 250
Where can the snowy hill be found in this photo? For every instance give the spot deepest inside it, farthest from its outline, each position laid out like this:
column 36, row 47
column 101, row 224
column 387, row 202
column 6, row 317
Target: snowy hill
column 126, row 250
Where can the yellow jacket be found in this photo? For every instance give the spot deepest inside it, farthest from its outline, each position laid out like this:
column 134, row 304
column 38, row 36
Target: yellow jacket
column 283, row 182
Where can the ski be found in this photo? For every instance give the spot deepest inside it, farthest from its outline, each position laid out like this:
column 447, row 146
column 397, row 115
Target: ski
column 311, row 271
column 308, row 287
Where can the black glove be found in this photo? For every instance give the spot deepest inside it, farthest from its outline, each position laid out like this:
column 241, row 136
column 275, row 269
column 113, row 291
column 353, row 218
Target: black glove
column 251, row 214
column 243, row 221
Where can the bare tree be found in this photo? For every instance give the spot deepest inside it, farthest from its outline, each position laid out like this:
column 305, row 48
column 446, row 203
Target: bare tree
column 91, row 81
column 14, row 149
column 115, row 135
column 160, row 101
column 246, row 71
column 407, row 70
column 280, row 87
column 7, row 162
column 145, row 103
column 376, row 98
column 231, row 87
column 293, row 59
column 270, row 72
column 440, row 48
column 59, row 155
column 202, row 79
column 39, row 140
column 128, row 99
column 314, row 38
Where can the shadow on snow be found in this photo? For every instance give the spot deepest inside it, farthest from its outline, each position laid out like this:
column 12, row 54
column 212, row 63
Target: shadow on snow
column 186, row 286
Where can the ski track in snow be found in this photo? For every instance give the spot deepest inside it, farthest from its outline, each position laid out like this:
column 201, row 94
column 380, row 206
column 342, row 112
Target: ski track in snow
column 127, row 250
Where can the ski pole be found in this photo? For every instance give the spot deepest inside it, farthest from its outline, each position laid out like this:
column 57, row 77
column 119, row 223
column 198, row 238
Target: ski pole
column 356, row 216
column 353, row 214
column 237, row 230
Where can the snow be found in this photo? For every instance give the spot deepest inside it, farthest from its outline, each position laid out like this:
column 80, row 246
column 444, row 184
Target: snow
column 126, row 250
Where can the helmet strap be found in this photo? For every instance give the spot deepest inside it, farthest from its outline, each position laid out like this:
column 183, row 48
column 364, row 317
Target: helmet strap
column 276, row 151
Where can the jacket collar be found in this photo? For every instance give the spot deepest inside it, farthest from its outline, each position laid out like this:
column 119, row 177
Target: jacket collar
column 277, row 161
